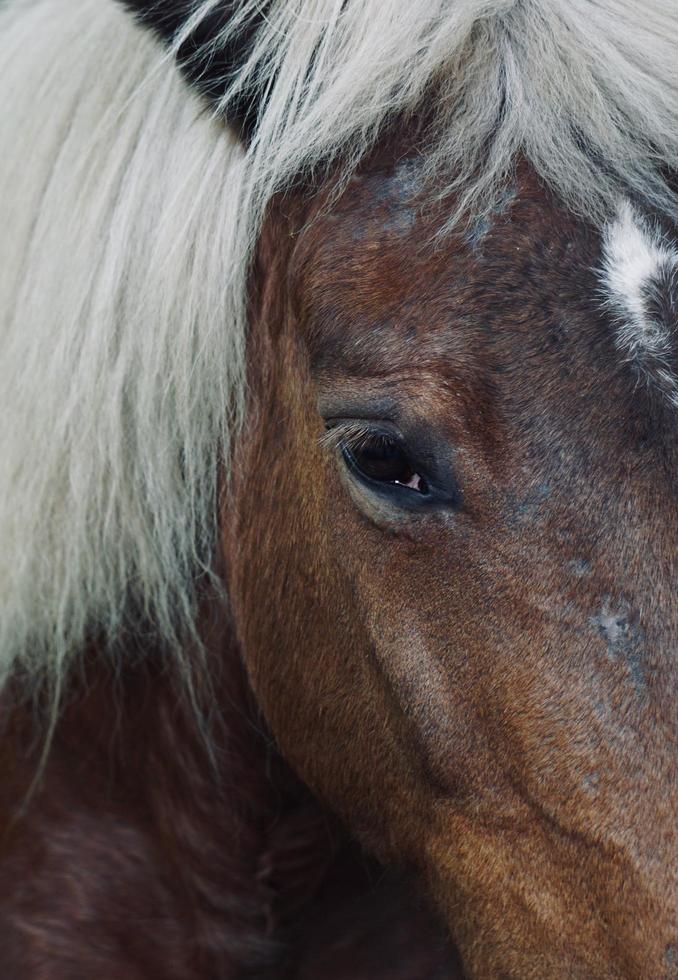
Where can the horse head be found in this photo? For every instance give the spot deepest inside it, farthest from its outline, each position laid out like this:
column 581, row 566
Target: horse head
column 433, row 250
column 452, row 541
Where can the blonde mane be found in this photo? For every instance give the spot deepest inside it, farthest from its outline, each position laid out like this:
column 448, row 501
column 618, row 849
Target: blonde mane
column 128, row 212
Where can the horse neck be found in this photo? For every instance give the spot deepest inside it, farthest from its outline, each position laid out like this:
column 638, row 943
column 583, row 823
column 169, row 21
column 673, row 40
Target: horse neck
column 192, row 795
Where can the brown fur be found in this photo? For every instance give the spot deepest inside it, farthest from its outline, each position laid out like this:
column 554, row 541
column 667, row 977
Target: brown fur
column 488, row 694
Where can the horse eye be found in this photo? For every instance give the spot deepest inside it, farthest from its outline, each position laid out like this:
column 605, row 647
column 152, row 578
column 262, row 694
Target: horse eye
column 379, row 459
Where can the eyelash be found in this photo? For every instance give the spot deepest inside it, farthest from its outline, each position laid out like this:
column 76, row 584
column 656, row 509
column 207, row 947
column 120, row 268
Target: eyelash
column 347, row 434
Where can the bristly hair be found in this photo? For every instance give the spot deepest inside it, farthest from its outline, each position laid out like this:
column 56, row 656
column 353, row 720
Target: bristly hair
column 128, row 214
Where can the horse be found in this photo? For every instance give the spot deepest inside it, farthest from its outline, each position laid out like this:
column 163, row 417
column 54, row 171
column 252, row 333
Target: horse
column 338, row 514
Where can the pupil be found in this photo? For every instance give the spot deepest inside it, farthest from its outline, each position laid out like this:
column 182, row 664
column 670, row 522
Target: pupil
column 383, row 461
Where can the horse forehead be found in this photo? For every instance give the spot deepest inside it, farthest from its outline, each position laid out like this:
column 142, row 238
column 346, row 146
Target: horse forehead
column 376, row 279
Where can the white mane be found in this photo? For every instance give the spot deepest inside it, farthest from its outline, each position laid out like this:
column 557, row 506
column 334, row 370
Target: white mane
column 127, row 214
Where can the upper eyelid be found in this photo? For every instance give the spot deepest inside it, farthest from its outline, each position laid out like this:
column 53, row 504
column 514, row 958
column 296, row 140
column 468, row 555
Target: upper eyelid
column 340, row 431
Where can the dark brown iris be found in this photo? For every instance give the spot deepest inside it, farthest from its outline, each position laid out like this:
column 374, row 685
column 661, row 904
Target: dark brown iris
column 382, row 460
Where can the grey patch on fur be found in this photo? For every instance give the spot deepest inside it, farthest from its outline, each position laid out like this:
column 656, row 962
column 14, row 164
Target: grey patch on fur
column 531, row 504
column 478, row 230
column 591, row 781
column 401, row 221
column 624, row 642
column 579, row 567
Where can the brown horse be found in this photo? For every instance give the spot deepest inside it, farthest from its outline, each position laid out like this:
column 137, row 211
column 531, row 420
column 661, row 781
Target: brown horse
column 326, row 646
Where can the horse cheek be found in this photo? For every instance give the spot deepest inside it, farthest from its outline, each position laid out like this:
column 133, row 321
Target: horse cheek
column 304, row 646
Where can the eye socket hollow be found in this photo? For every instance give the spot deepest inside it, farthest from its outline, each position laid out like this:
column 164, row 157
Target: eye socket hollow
column 378, row 458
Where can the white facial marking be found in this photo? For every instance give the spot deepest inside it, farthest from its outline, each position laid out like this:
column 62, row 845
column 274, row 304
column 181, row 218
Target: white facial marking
column 636, row 258
column 634, row 255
